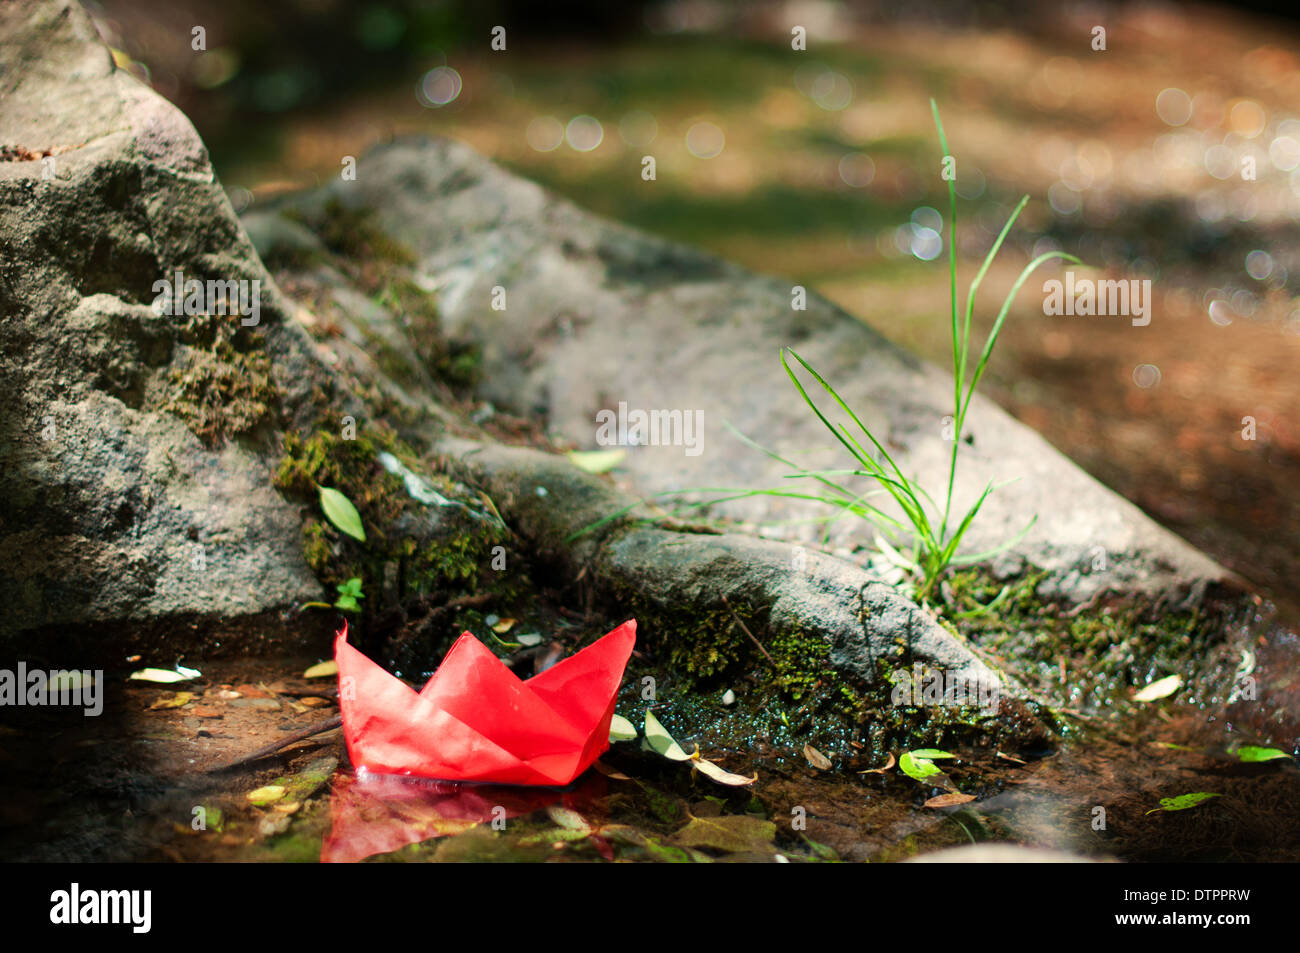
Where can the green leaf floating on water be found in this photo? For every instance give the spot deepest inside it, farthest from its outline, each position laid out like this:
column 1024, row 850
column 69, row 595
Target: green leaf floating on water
column 1183, row 801
column 620, row 729
column 1254, row 753
column 339, row 510
column 919, row 764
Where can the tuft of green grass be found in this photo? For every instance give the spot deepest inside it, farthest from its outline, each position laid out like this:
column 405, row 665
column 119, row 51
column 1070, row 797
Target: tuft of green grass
column 936, row 532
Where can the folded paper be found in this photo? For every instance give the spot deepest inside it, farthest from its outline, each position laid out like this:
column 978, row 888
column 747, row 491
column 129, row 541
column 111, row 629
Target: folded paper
column 475, row 720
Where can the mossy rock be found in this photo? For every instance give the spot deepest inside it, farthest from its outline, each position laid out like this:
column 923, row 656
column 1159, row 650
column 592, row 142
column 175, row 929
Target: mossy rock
column 412, row 548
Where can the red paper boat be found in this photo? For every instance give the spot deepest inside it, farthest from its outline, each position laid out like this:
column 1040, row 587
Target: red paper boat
column 475, row 720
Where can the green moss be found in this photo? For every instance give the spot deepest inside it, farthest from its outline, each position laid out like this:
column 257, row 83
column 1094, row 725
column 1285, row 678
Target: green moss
column 432, row 547
column 455, row 363
column 381, row 266
column 1083, row 659
column 803, row 671
column 352, row 234
column 220, row 391
column 316, row 545
column 705, row 649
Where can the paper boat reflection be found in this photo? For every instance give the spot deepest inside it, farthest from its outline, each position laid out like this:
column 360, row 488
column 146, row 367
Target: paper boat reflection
column 377, row 814
column 475, row 720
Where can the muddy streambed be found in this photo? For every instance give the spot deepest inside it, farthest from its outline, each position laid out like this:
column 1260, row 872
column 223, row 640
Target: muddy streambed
column 136, row 783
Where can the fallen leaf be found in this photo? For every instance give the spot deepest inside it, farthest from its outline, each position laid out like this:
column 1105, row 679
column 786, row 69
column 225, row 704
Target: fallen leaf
column 931, row 754
column 596, row 461
column 917, row 767
column 266, row 795
column 660, row 741
column 1160, row 689
column 175, row 700
column 314, row 701
column 620, row 729
column 322, row 670
column 503, row 626
column 950, row 799
column 816, row 758
column 715, row 773
column 1254, row 754
column 1182, row 802
column 881, row 770
column 162, row 676
column 568, row 819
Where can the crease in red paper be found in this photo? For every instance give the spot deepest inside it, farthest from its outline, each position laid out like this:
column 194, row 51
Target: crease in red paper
column 475, row 720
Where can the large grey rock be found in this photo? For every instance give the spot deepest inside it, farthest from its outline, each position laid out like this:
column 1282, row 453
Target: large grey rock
column 872, row 631
column 112, row 506
column 597, row 314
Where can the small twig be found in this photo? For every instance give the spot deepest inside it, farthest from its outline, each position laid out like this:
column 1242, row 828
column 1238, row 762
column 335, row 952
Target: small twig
column 438, row 614
column 1077, row 714
column 455, row 605
column 284, row 742
column 747, row 632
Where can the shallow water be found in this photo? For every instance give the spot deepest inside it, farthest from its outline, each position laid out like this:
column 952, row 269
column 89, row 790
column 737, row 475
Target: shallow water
column 130, row 784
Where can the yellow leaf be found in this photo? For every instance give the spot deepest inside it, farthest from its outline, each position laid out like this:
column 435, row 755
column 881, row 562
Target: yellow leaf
column 267, row 795
column 322, row 670
column 172, row 701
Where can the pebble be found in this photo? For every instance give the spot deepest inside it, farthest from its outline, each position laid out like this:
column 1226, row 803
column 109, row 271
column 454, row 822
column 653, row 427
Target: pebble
column 266, row 703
